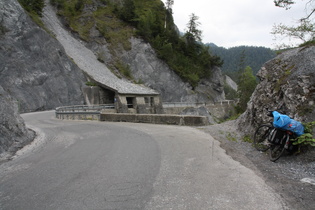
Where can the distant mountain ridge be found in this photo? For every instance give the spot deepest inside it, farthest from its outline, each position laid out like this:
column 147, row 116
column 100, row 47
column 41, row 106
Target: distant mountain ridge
column 254, row 57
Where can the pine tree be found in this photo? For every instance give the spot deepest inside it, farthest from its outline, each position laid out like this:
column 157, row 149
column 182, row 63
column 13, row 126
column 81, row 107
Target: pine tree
column 127, row 13
column 33, row 6
column 193, row 34
column 169, row 4
column 246, row 87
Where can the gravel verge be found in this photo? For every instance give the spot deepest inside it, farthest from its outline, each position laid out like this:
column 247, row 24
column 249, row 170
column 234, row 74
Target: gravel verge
column 292, row 176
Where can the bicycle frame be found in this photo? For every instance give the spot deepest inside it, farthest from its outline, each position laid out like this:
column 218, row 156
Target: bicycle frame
column 267, row 138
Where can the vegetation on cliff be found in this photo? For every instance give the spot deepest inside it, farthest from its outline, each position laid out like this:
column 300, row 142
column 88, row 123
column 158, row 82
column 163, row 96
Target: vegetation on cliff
column 33, row 6
column 117, row 21
column 35, row 9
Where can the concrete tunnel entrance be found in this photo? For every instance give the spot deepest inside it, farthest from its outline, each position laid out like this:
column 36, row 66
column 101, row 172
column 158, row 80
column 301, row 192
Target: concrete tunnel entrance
column 95, row 95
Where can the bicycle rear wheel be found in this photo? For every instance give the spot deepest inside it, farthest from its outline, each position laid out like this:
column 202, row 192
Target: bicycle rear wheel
column 261, row 137
column 277, row 150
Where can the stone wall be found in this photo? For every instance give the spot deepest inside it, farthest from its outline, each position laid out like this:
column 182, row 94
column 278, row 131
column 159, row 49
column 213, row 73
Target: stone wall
column 214, row 112
column 155, row 119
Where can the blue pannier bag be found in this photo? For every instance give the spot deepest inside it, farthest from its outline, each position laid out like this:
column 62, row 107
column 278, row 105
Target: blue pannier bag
column 286, row 123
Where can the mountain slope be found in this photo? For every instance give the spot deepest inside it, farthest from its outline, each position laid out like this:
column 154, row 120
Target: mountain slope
column 252, row 56
column 86, row 59
column 133, row 55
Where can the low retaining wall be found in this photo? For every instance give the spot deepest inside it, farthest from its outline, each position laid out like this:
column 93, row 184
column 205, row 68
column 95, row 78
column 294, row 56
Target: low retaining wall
column 155, row 119
column 78, row 116
column 219, row 110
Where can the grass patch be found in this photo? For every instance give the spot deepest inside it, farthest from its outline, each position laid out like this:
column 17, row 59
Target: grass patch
column 308, row 44
column 284, row 77
column 124, row 69
column 114, row 30
column 247, row 138
column 89, row 83
column 231, row 137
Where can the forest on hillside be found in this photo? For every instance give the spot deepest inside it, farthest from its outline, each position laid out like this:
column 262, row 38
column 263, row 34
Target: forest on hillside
column 151, row 20
column 237, row 58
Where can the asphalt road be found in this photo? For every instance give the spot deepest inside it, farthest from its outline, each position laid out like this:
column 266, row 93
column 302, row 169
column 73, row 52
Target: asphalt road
column 99, row 165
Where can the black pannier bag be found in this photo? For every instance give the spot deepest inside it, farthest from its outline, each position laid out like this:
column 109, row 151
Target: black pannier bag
column 277, row 136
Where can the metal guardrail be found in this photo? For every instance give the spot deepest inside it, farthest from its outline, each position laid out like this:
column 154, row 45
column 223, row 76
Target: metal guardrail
column 78, row 109
column 96, row 109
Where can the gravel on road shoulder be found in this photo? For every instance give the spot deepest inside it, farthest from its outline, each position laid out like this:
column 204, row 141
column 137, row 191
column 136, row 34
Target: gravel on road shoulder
column 286, row 176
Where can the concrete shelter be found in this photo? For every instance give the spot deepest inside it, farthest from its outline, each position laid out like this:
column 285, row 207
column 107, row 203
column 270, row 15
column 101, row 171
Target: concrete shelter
column 137, row 100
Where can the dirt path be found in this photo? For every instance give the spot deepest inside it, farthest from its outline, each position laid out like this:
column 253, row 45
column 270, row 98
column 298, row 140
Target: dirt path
column 285, row 176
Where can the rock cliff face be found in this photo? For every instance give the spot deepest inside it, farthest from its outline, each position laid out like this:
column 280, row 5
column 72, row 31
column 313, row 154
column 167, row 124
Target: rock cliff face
column 35, row 74
column 35, row 69
column 13, row 132
column 145, row 66
column 287, row 84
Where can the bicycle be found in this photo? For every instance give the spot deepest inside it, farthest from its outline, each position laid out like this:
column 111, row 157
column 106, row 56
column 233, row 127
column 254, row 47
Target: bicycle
column 277, row 141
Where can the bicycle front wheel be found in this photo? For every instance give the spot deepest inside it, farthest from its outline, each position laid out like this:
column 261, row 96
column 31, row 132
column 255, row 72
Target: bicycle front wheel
column 261, row 137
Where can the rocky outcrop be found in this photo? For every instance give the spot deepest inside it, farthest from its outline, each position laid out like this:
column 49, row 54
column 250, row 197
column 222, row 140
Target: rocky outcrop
column 35, row 73
column 146, row 67
column 14, row 135
column 35, row 69
column 287, row 84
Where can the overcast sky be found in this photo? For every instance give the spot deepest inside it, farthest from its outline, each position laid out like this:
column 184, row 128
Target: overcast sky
column 229, row 23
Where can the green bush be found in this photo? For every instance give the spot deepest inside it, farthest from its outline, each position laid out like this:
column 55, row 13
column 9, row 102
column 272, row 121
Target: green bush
column 307, row 138
column 33, row 6
column 124, row 69
column 89, row 83
column 59, row 4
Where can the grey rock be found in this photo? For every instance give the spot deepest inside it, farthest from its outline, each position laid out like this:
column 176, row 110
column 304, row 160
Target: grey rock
column 155, row 73
column 34, row 67
column 35, row 74
column 287, row 84
column 14, row 135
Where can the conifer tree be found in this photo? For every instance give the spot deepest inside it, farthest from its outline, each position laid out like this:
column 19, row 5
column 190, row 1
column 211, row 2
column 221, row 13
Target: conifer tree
column 193, row 34
column 127, row 12
column 246, row 87
column 169, row 4
column 33, row 6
